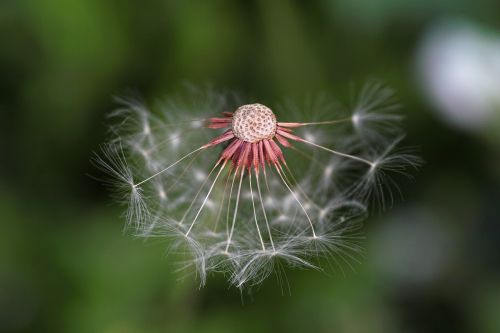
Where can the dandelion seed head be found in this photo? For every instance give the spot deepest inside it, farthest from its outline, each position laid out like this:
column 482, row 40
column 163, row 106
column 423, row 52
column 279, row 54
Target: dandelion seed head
column 240, row 191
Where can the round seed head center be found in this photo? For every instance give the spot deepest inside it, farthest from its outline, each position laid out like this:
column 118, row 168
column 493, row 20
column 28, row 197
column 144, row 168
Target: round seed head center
column 254, row 122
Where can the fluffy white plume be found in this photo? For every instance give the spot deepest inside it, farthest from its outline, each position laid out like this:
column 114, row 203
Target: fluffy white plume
column 250, row 221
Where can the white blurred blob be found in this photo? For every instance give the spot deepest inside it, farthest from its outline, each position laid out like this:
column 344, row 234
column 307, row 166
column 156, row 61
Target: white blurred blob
column 175, row 140
column 459, row 65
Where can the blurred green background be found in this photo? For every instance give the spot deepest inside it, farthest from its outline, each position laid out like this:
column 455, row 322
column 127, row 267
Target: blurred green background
column 432, row 261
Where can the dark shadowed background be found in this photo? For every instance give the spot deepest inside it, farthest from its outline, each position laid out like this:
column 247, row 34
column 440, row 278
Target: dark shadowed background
column 432, row 261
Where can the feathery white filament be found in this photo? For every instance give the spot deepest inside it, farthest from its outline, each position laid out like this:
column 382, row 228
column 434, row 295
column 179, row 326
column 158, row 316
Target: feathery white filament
column 206, row 198
column 197, row 195
column 170, row 166
column 264, row 211
column 235, row 209
column 352, row 157
column 298, row 201
column 255, row 212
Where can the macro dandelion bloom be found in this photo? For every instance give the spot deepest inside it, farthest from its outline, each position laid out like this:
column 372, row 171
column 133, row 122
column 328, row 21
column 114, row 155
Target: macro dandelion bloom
column 245, row 189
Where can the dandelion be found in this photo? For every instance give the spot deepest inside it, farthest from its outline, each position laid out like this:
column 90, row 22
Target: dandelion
column 247, row 192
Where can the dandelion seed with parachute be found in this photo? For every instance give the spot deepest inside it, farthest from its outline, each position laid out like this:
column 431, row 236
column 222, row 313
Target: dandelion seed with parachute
column 243, row 191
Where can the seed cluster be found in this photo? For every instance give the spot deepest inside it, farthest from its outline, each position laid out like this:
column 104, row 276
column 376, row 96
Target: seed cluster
column 254, row 122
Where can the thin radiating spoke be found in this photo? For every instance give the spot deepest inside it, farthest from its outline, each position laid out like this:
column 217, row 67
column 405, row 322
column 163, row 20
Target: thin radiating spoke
column 170, row 166
column 298, row 201
column 206, row 198
column 255, row 212
column 264, row 210
column 235, row 209
column 352, row 157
